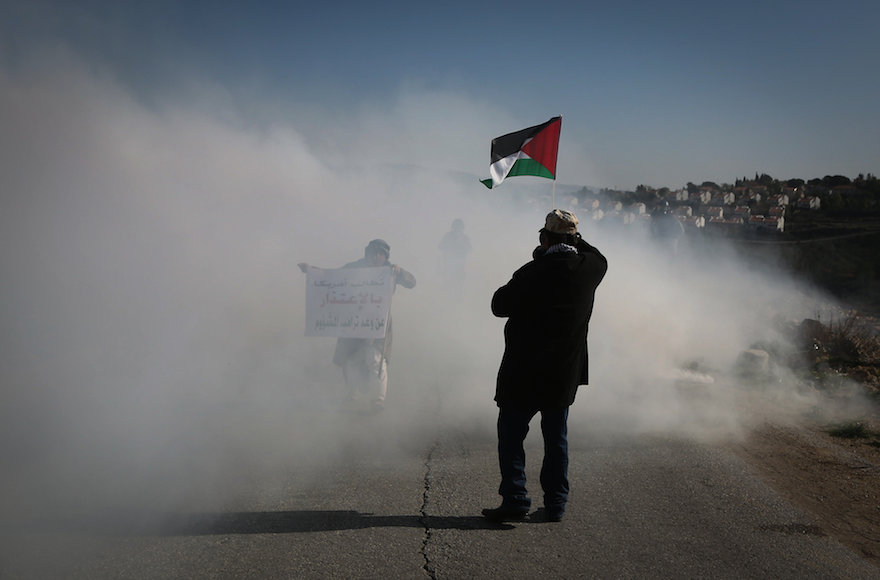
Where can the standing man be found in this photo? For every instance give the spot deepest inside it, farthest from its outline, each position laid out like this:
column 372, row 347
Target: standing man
column 548, row 304
column 454, row 248
column 666, row 228
column 364, row 361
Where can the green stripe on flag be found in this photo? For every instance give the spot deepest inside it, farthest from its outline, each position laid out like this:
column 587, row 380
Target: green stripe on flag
column 529, row 167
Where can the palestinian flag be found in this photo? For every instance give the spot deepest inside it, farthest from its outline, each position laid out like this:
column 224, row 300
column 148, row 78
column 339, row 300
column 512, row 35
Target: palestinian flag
column 531, row 151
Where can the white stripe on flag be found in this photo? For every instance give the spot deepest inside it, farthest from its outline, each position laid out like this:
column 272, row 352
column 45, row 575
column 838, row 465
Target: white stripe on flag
column 499, row 170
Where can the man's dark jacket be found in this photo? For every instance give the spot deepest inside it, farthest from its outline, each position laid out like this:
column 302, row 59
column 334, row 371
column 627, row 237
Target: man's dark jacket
column 548, row 303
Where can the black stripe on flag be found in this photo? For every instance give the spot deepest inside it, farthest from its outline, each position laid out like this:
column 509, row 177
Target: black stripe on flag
column 507, row 145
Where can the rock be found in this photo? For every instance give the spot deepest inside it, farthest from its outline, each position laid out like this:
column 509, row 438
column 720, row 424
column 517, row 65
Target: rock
column 753, row 362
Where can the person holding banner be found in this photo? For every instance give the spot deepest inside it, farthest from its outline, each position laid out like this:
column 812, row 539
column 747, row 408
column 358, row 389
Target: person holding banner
column 548, row 304
column 364, row 361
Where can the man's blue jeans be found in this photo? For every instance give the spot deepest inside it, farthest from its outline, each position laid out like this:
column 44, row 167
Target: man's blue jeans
column 513, row 426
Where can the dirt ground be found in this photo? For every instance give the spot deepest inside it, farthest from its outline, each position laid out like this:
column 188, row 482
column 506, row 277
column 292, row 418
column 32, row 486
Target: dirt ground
column 834, row 480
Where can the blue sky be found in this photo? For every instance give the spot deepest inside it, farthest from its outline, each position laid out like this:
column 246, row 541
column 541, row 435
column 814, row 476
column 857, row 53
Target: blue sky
column 653, row 93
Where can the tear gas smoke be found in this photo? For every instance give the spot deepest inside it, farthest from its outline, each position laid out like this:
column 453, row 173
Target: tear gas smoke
column 153, row 312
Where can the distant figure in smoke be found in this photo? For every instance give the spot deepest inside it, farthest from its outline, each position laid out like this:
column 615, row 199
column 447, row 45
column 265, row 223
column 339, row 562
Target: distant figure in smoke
column 665, row 227
column 454, row 248
column 548, row 303
column 364, row 361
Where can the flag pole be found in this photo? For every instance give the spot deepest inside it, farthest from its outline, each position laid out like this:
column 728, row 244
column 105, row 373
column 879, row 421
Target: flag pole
column 553, row 196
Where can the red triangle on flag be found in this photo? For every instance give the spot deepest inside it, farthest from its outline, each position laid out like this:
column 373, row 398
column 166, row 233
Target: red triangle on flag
column 544, row 146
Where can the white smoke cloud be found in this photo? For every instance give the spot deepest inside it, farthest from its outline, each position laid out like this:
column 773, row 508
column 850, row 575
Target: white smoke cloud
column 153, row 332
column 155, row 309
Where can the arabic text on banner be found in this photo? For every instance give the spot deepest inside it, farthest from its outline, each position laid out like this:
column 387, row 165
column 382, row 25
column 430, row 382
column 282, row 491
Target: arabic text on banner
column 348, row 302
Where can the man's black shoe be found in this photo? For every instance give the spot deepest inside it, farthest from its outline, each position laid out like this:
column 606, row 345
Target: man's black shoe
column 554, row 513
column 545, row 514
column 506, row 514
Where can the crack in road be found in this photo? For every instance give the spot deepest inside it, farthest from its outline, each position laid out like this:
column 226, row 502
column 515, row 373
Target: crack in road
column 428, row 566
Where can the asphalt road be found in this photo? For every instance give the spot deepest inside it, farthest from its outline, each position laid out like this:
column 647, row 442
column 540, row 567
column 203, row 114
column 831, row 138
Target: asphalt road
column 400, row 503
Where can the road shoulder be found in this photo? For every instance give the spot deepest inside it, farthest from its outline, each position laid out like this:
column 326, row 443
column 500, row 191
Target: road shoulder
column 836, row 481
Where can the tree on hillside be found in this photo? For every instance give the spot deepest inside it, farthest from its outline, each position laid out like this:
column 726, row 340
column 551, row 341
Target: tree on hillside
column 833, row 181
column 870, row 185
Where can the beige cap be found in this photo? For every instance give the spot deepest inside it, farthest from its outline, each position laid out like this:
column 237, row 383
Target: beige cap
column 560, row 221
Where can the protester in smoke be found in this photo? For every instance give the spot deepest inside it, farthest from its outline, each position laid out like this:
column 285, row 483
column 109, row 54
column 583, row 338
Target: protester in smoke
column 364, row 361
column 454, row 248
column 548, row 304
column 665, row 227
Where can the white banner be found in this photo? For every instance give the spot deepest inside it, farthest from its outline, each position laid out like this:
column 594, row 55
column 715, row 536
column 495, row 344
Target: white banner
column 348, row 302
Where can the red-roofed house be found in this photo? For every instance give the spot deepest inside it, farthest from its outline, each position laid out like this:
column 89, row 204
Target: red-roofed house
column 638, row 208
column 693, row 222
column 683, row 211
column 780, row 200
column 811, row 202
column 700, row 197
column 723, row 199
column 772, row 223
column 743, row 212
